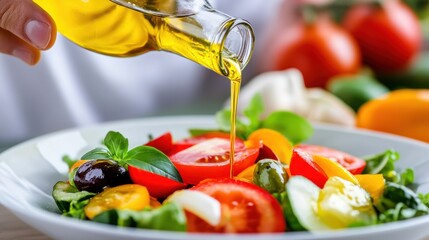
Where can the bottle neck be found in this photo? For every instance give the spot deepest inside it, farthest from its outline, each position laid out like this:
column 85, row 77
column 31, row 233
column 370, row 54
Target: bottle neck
column 210, row 38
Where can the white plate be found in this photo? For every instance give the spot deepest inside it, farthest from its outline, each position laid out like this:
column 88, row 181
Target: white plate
column 29, row 170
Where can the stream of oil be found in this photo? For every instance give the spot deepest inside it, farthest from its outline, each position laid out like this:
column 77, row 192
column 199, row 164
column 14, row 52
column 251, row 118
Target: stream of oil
column 234, row 75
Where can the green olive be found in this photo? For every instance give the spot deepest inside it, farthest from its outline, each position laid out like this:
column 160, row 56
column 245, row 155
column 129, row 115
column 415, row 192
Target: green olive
column 270, row 175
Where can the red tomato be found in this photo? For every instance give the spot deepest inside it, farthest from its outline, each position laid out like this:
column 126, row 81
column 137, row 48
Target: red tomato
column 163, row 143
column 266, row 153
column 210, row 159
column 354, row 164
column 246, row 208
column 189, row 142
column 302, row 164
column 388, row 34
column 320, row 50
column 157, row 185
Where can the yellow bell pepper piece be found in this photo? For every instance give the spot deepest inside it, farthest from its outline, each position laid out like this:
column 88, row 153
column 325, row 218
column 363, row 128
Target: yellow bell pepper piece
column 334, row 169
column 247, row 174
column 278, row 143
column 403, row 112
column 373, row 184
column 128, row 196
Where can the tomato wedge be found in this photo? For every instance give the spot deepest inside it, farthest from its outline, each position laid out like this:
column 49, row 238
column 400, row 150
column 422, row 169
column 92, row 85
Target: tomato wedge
column 191, row 141
column 354, row 164
column 246, row 208
column 157, row 185
column 210, row 159
column 163, row 143
column 302, row 164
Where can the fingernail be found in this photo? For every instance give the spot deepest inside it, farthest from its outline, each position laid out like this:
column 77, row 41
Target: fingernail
column 39, row 33
column 24, row 55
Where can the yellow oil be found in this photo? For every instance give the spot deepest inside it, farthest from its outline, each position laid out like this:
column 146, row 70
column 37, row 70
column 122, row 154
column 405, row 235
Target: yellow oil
column 107, row 28
column 234, row 75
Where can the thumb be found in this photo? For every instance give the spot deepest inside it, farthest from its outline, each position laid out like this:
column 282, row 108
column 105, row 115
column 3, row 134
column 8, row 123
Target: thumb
column 28, row 21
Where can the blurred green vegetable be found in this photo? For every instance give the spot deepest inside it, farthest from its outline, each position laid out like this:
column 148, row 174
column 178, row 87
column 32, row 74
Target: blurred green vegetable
column 399, row 203
column 356, row 90
column 415, row 76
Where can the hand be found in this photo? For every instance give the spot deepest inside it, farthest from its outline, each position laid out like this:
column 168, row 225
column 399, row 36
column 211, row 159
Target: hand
column 25, row 29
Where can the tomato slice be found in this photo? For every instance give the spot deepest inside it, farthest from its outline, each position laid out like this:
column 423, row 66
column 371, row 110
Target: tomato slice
column 246, row 208
column 191, row 141
column 302, row 164
column 210, row 159
column 163, row 143
column 354, row 164
column 157, row 185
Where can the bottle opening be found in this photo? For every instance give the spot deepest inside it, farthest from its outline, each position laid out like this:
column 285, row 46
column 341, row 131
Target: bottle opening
column 236, row 44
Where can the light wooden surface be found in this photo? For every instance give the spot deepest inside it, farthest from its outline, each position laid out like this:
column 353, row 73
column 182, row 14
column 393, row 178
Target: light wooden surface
column 11, row 228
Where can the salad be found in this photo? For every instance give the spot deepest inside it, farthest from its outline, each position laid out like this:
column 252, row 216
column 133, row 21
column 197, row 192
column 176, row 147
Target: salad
column 280, row 183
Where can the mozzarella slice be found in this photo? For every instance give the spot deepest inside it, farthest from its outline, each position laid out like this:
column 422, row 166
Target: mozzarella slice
column 198, row 203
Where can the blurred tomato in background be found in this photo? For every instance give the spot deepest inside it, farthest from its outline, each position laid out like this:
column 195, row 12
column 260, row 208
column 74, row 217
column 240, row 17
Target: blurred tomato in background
column 388, row 34
column 319, row 48
column 359, row 51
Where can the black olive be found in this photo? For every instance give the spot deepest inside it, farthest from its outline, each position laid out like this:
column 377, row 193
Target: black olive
column 95, row 175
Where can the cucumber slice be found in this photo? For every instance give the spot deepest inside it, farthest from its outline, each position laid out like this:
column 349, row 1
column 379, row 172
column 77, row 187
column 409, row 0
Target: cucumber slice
column 64, row 194
column 302, row 195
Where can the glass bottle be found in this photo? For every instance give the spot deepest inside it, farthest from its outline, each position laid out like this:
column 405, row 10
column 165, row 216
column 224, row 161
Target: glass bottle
column 189, row 28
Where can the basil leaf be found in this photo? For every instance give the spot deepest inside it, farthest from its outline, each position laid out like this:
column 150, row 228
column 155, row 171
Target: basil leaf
column 294, row 127
column 407, row 177
column 97, row 153
column 69, row 161
column 154, row 161
column 168, row 217
column 424, row 198
column 117, row 145
column 223, row 119
column 197, row 132
column 253, row 112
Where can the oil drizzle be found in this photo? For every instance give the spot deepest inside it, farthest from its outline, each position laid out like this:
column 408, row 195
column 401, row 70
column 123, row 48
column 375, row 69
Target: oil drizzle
column 234, row 75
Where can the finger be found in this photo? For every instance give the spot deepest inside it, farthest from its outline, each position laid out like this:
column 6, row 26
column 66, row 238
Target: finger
column 28, row 21
column 12, row 45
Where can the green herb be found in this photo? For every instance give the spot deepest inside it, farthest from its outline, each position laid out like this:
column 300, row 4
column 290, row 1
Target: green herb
column 384, row 163
column 69, row 161
column 424, row 198
column 168, row 217
column 143, row 157
column 294, row 127
column 399, row 203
